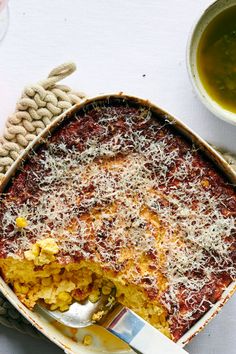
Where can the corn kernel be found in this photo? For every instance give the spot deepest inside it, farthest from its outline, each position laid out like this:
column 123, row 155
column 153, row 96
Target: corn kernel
column 53, row 307
column 24, row 289
column 46, row 281
column 106, row 290
column 35, row 250
column 17, row 286
column 29, row 255
column 21, row 222
column 205, row 183
column 110, row 284
column 94, row 296
column 55, row 271
column 48, row 245
column 44, row 258
column 87, row 340
column 56, row 277
column 64, row 296
column 64, row 308
column 97, row 316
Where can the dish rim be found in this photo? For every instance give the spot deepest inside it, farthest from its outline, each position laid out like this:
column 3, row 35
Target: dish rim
column 188, row 133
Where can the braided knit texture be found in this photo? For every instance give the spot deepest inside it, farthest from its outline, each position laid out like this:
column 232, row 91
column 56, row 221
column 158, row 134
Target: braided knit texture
column 37, row 107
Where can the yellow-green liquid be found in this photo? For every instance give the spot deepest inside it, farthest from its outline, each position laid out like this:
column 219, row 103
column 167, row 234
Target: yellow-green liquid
column 216, row 59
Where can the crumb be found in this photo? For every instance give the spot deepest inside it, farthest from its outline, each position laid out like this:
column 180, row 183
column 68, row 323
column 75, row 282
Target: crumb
column 87, row 340
column 97, row 316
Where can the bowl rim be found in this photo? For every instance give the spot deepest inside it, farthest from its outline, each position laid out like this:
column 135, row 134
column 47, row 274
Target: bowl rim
column 205, row 98
column 39, row 321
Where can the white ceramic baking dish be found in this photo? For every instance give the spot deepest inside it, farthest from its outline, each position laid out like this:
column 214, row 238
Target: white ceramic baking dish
column 69, row 339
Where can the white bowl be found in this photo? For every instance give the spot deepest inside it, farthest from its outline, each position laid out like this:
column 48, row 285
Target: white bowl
column 207, row 16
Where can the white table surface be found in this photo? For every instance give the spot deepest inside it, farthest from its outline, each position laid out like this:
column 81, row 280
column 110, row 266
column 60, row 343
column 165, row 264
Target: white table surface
column 114, row 44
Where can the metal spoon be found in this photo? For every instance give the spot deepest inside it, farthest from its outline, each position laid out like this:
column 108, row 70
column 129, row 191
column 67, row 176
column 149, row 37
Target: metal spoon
column 120, row 321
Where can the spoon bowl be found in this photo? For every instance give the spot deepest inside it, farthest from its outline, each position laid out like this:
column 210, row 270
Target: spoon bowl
column 82, row 314
column 118, row 320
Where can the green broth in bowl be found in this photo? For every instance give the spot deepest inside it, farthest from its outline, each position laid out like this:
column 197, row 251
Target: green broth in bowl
column 211, row 59
column 216, row 59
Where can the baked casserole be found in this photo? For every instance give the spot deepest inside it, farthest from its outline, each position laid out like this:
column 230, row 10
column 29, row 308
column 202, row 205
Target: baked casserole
column 116, row 201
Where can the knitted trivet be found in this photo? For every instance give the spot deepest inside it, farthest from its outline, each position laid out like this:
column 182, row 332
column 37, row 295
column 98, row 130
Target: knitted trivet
column 38, row 106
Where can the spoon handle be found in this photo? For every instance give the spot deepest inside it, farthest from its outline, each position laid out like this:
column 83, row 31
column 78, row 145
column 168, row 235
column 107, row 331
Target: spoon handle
column 140, row 335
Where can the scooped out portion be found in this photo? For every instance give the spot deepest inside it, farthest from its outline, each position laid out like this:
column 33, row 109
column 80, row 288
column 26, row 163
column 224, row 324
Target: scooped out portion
column 39, row 277
column 116, row 201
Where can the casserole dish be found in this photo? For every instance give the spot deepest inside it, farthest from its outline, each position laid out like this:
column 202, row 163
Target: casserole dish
column 179, row 136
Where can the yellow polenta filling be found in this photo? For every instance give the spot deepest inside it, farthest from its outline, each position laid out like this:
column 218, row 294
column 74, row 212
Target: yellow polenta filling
column 40, row 277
